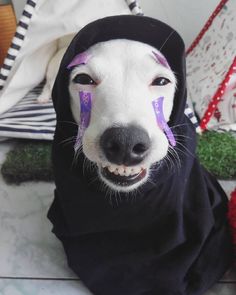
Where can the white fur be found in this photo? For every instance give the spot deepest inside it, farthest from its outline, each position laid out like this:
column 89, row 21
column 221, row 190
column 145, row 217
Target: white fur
column 53, row 67
column 124, row 70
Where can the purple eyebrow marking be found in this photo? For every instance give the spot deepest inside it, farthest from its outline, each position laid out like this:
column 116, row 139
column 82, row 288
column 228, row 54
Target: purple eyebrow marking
column 79, row 59
column 158, row 109
column 161, row 59
column 85, row 113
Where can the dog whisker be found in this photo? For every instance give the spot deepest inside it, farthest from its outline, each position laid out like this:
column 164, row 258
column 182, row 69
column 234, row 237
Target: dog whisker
column 184, row 152
column 74, row 161
column 179, row 125
column 171, row 160
column 150, row 181
column 93, row 179
column 108, row 193
column 68, row 140
column 175, row 156
column 79, row 150
column 172, row 166
column 166, row 160
column 69, row 122
column 76, row 156
column 117, row 203
column 86, row 165
column 134, row 198
column 174, row 163
column 182, row 136
column 186, row 149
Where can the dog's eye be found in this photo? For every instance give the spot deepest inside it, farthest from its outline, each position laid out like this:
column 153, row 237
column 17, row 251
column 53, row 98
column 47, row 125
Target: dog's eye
column 84, row 79
column 160, row 81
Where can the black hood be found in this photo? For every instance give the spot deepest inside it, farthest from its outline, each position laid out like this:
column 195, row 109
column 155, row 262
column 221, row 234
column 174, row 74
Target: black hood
column 170, row 238
column 142, row 29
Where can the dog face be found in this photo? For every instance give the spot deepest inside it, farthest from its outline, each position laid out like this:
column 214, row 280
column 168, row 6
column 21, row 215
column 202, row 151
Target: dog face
column 123, row 137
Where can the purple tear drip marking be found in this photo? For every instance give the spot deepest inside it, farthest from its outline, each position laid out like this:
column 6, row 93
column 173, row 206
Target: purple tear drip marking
column 158, row 109
column 79, row 59
column 161, row 59
column 85, row 112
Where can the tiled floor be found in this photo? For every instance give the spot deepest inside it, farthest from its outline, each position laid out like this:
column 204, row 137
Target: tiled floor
column 32, row 261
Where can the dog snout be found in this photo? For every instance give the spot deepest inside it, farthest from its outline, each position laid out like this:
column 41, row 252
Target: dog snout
column 125, row 145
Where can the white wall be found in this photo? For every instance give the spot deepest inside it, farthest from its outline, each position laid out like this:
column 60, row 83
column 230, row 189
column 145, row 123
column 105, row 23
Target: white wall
column 18, row 6
column 186, row 16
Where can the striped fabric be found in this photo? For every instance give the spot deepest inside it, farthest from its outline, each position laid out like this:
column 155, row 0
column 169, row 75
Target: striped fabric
column 190, row 114
column 17, row 41
column 28, row 118
column 134, row 7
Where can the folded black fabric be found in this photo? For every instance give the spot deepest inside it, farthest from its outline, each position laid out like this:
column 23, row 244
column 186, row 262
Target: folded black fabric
column 173, row 237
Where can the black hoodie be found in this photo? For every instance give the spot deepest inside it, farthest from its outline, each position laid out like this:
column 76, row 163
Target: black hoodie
column 172, row 238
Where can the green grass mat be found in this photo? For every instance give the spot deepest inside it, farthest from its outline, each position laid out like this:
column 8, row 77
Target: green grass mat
column 28, row 161
column 32, row 160
column 217, row 152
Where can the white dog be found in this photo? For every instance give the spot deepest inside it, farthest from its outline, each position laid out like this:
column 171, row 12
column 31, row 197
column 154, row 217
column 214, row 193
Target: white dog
column 117, row 103
column 123, row 137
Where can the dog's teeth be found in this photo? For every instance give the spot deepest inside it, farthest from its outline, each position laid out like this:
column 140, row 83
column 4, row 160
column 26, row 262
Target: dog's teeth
column 132, row 172
column 136, row 170
column 112, row 168
column 128, row 171
column 121, row 171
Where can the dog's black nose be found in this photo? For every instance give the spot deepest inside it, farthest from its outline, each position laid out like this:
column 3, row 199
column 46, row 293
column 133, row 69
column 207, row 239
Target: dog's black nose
column 125, row 145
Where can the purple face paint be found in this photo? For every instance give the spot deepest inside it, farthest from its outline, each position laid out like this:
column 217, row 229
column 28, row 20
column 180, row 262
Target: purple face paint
column 161, row 59
column 158, row 109
column 79, row 59
column 85, row 112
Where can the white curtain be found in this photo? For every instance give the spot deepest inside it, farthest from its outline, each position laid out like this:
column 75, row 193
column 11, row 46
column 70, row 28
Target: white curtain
column 51, row 20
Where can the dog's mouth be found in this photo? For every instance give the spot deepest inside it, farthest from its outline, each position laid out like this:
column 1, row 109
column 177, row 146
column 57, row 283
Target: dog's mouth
column 122, row 176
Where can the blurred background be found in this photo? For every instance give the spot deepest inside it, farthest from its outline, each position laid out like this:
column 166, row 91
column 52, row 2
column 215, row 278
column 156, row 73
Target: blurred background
column 186, row 16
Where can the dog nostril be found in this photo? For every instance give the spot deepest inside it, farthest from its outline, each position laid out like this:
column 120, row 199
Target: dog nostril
column 139, row 148
column 113, row 147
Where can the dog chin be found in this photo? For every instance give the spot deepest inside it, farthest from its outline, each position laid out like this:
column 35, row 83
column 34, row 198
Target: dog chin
column 122, row 178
